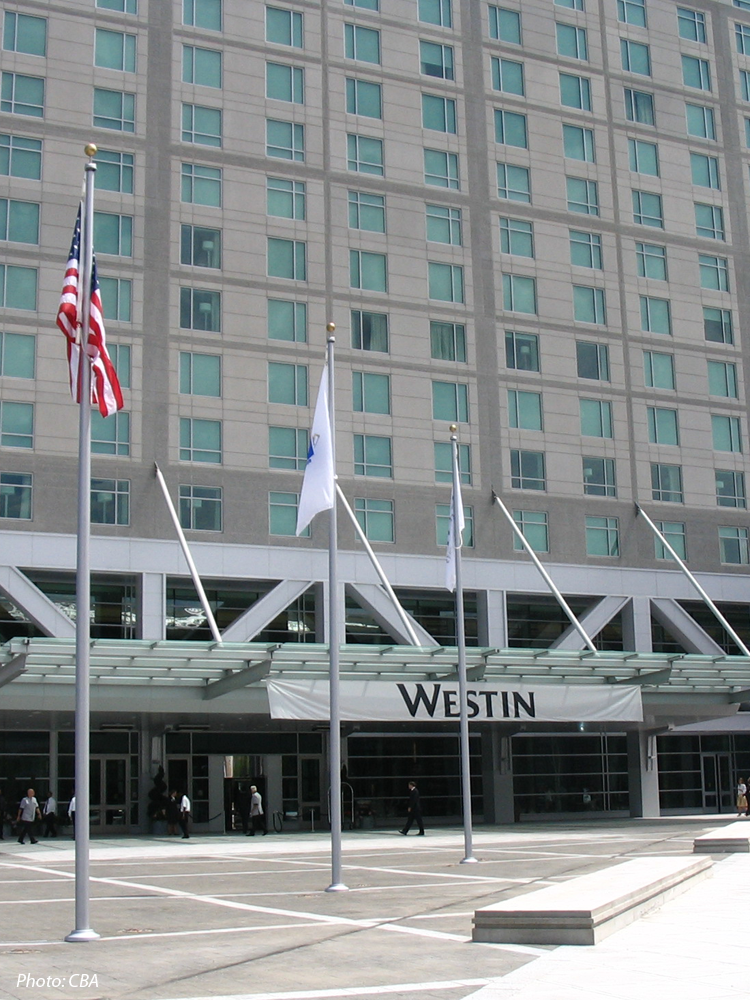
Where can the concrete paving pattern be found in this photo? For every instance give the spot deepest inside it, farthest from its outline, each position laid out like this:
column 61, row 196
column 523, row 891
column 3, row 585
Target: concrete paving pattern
column 219, row 917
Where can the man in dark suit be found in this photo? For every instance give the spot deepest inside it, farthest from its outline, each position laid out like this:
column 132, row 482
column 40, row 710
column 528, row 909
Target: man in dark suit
column 414, row 811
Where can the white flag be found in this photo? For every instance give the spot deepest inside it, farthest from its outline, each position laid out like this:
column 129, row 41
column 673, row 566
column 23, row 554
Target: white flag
column 455, row 541
column 317, row 492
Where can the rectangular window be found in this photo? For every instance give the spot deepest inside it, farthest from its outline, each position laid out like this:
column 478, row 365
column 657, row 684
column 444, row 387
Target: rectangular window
column 439, row 113
column 120, row 355
column 200, row 508
column 571, row 41
column 450, row 402
column 691, row 24
column 632, row 12
column 285, row 83
column 443, row 225
column 519, row 294
column 367, row 212
column 200, row 374
column 651, row 261
column 658, row 370
column 114, row 50
column 436, row 12
column 436, row 60
column 124, row 6
column 15, row 495
column 722, row 379
column 369, row 331
column 287, row 259
column 507, row 76
column 602, row 536
column 582, row 195
column 647, row 209
column 365, row 155
column 201, row 125
column 527, row 470
column 447, row 341
column 17, row 355
column 578, row 143
column 592, row 360
column 200, row 309
column 22, row 95
column 516, row 237
column 114, row 171
column 666, row 483
column 441, row 169
column 287, row 384
column 510, row 129
column 113, row 234
column 202, row 67
column 730, row 489
column 17, row 287
column 700, row 121
column 362, row 43
column 705, row 171
column 200, row 246
column 117, row 299
column 727, row 435
column 570, row 4
column 745, row 84
column 20, row 157
column 636, row 57
column 639, row 107
column 288, row 448
column 201, row 185
column 709, row 221
column 372, row 456
column 714, row 272
column 375, row 518
column 368, row 271
column 19, row 221
column 16, row 425
column 534, row 528
column 371, row 393
column 589, row 305
column 596, row 418
column 525, row 410
column 364, row 98
column 586, row 250
column 656, row 315
column 24, row 33
column 285, row 140
column 202, row 14
column 733, row 546
column 284, row 27
column 696, row 73
column 110, row 435
column 505, row 25
column 200, row 440
column 522, row 351
column 513, row 183
column 644, row 157
column 575, row 92
column 285, row 199
column 717, row 325
column 599, row 477
column 287, row 320
column 110, row 501
column 442, row 524
column 282, row 514
column 662, row 426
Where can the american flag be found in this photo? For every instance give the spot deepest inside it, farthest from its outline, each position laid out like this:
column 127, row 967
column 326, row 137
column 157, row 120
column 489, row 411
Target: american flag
column 105, row 386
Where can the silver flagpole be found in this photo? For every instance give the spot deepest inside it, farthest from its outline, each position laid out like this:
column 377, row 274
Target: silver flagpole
column 83, row 931
column 463, row 721
column 334, row 734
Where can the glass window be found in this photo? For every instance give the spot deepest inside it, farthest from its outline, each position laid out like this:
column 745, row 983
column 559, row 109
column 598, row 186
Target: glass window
column 436, row 12
column 727, row 435
column 375, row 518
column 114, row 171
column 364, row 98
column 200, row 440
column 443, row 225
column 367, row 211
column 586, row 249
column 571, row 41
column 578, row 143
column 436, row 60
column 525, row 410
column 705, row 170
column 200, row 309
column 200, row 374
column 447, row 341
column 285, row 199
column 285, row 140
column 287, row 259
column 15, row 495
column 287, row 384
column 513, row 183
column 110, row 501
column 17, row 287
column 691, row 24
column 575, row 92
column 700, row 121
column 124, row 6
column 287, row 320
column 571, row 4
column 666, row 483
column 507, row 76
column 651, row 261
column 722, row 379
column 362, row 43
column 284, row 27
column 662, row 425
column 438, row 113
column 656, row 315
column 519, row 293
column 22, row 95
column 442, row 523
column 20, row 157
column 282, row 514
column 730, row 489
column 371, row 393
column 527, row 470
column 441, row 169
column 369, row 331
column 200, row 508
column 110, row 435
column 592, row 360
column 444, row 462
column 288, row 448
column 602, row 536
column 510, row 129
column 450, row 401
column 200, row 246
column 201, row 66
column 201, row 125
column 714, row 272
column 372, row 456
column 583, row 195
column 596, row 418
column 505, row 25
column 114, row 50
column 599, row 477
column 516, row 237
column 117, row 299
column 120, row 357
column 364, row 4
column 696, row 73
column 24, row 33
column 17, row 355
column 632, row 12
column 639, row 107
column 647, row 209
column 113, row 234
column 202, row 14
column 522, row 351
column 658, row 369
column 19, row 221
column 589, row 304
column 635, row 57
column 644, row 157
column 733, row 546
column 365, row 155
column 285, row 83
column 745, row 84
column 534, row 528
column 16, row 424
column 709, row 221
column 201, row 185
column 717, row 325
column 368, row 271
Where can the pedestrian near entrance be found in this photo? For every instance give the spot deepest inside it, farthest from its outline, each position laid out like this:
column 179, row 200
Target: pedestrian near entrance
column 414, row 811
column 72, row 815
column 243, row 808
column 257, row 816
column 185, row 816
column 28, row 814
column 741, row 797
column 49, row 814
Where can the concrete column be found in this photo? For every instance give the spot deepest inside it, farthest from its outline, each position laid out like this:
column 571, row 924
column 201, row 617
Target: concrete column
column 636, row 625
column 53, row 769
column 216, row 819
column 153, row 606
column 643, row 774
column 497, row 777
column 495, row 619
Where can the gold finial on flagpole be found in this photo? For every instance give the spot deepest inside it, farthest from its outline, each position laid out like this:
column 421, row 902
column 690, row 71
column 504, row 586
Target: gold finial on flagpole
column 453, row 428
column 330, row 327
column 90, row 150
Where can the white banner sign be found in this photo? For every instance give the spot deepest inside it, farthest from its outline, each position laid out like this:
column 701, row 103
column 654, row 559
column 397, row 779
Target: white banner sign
column 421, row 701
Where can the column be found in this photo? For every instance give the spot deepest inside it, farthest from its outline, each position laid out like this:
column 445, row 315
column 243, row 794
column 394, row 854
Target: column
column 497, row 777
column 643, row 774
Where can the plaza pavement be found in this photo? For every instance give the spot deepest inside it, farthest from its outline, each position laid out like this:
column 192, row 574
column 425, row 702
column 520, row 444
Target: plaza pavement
column 234, row 917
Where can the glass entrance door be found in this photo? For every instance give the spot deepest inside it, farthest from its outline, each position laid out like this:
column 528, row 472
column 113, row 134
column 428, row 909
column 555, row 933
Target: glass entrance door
column 309, row 789
column 718, row 787
column 110, row 797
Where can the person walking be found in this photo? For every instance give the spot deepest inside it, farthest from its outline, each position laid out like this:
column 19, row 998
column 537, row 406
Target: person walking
column 185, row 816
column 28, row 814
column 72, row 814
column 49, row 814
column 243, row 808
column 414, row 811
column 741, row 797
column 257, row 816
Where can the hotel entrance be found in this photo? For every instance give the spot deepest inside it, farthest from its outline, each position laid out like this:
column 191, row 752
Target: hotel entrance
column 110, row 794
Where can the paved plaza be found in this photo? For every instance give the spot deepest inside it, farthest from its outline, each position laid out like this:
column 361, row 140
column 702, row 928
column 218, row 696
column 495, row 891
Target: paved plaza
column 229, row 916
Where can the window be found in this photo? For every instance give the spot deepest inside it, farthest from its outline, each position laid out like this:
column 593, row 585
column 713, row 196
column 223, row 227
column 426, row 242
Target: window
column 599, row 477
column 742, row 37
column 201, row 66
column 17, row 287
column 200, row 374
column 571, row 4
column 287, row 259
column 510, row 129
column 505, row 25
column 662, row 426
column 114, row 50
column 635, row 57
column 516, row 237
column 438, row 113
column 19, row 221
column 525, row 410
column 124, row 6
column 639, row 107
column 717, row 325
column 285, row 83
column 284, row 27
column 110, row 435
column 578, row 143
column 656, row 315
column 285, row 140
column 201, row 185
column 200, row 309
column 287, row 384
column 589, row 305
column 592, row 360
column 596, row 418
column 700, row 121
column 527, row 470
column 287, row 320
column 733, row 546
column 727, row 435
column 709, row 221
column 364, row 4
column 583, row 196
column 441, row 169
column 714, row 272
column 200, row 508
column 367, row 211
column 110, row 501
column 666, row 483
column 644, row 157
column 16, row 425
column 519, row 293
column 202, row 14
column 23, row 95
column 705, row 170
column 368, row 271
column 364, row 98
column 447, row 341
column 691, row 24
column 17, row 355
column 20, row 157
column 113, row 234
column 369, row 331
column 361, row 43
column 371, row 393
column 120, row 356
column 632, row 12
column 696, row 73
column 442, row 524
column 730, row 489
column 372, row 456
column 658, row 370
column 507, row 76
column 651, row 261
column 375, row 518
column 282, row 514
column 522, row 351
column 585, row 249
column 200, row 440
column 117, row 299
column 436, row 12
column 285, row 199
column 575, row 92
column 722, row 379
column 24, row 33
column 365, row 155
column 288, row 448
column 534, row 528
column 443, row 225
column 200, row 246
column 602, row 536
column 571, row 41
column 513, row 183
column 201, row 125
column 436, row 60
column 647, row 209
column 450, row 402
column 114, row 171
column 15, row 495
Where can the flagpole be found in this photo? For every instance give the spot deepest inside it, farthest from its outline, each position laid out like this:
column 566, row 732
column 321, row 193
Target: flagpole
column 83, row 930
column 334, row 733
column 463, row 721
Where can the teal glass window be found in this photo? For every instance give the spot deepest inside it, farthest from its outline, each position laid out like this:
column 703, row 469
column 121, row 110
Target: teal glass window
column 666, row 483
column 285, row 83
column 17, row 355
column 522, row 351
column 534, row 527
column 114, row 171
column 446, row 282
column 717, row 325
column 110, row 435
column 364, row 98
column 585, row 249
column 632, row 12
column 285, row 140
column 651, row 261
column 578, row 143
column 201, row 185
column 364, row 4
column 20, row 157
column 201, row 125
column 513, row 183
column 368, row 271
column 602, row 536
column 442, row 524
column 517, row 237
column 447, row 341
column 200, row 440
column 592, row 360
column 519, row 293
column 114, row 50
column 571, row 41
column 589, row 305
column 22, row 95
column 722, row 379
column 575, row 92
column 362, row 43
column 123, row 6
column 733, row 546
column 120, row 355
column 450, row 401
column 25, row 33
column 656, row 315
column 284, row 27
column 16, row 424
column 639, row 106
column 525, row 410
column 202, row 67
column 599, row 477
column 505, row 25
column 510, row 129
column 287, row 320
column 200, row 246
column 113, row 234
column 705, row 171
column 443, row 453
column 375, row 518
column 700, row 121
column 369, row 331
column 372, row 456
column 647, row 209
column 287, row 384
column 730, row 489
column 709, row 221
column 714, row 272
column 366, row 211
column 582, row 195
column 436, row 12
column 663, row 427
column 287, row 448
column 644, row 157
column 200, row 374
column 114, row 110
column 371, row 392
column 117, row 299
column 443, row 225
column 658, row 370
column 201, row 508
column 726, row 431
column 18, row 287
column 439, row 113
column 202, row 14
column 200, row 309
column 282, row 514
column 287, row 259
column 110, row 501
column 19, row 221
column 635, row 56
column 441, row 169
column 596, row 418
column 286, row 199
column 364, row 154
column 436, row 60
column 696, row 73
column 691, row 24
column 507, row 76
column 527, row 470
column 15, row 495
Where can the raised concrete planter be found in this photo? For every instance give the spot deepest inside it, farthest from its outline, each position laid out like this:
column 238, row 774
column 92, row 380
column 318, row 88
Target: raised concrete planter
column 587, row 909
column 732, row 839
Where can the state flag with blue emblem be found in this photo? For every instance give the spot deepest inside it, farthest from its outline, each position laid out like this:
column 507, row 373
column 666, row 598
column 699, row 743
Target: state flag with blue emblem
column 318, row 485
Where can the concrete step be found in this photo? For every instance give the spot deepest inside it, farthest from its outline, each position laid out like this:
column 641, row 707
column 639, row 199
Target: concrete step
column 732, row 839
